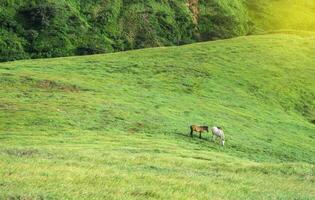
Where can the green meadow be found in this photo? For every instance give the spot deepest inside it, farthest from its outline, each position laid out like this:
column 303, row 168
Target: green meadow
column 116, row 126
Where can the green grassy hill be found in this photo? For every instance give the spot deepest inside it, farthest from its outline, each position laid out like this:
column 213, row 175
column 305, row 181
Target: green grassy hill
column 116, row 126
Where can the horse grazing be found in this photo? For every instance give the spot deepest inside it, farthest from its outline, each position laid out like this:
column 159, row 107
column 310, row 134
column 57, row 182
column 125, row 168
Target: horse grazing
column 198, row 129
column 218, row 132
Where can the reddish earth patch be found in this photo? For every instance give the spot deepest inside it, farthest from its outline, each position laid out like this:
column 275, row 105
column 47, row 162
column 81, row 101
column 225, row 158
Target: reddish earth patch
column 193, row 6
column 8, row 106
column 136, row 127
column 51, row 85
column 21, row 152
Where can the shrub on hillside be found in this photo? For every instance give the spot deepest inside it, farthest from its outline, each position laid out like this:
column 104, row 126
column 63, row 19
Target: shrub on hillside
column 223, row 19
column 60, row 28
column 184, row 23
column 38, row 16
column 7, row 22
column 52, row 29
column 95, row 45
column 11, row 47
column 51, row 44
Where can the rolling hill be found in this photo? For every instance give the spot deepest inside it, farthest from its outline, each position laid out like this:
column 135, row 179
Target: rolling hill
column 116, row 126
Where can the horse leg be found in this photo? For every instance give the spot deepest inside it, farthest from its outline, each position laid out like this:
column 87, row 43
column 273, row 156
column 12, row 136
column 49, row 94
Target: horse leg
column 214, row 137
column 191, row 132
column 200, row 134
column 222, row 142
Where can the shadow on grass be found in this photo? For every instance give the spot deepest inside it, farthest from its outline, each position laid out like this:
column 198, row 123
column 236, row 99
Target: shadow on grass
column 187, row 135
column 202, row 142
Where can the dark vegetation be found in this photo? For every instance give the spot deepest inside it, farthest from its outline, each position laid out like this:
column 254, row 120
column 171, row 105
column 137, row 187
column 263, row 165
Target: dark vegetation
column 46, row 28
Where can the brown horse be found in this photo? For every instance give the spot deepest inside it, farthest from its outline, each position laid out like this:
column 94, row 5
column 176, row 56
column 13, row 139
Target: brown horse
column 198, row 129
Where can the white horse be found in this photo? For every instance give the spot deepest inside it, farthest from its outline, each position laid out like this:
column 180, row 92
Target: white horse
column 218, row 132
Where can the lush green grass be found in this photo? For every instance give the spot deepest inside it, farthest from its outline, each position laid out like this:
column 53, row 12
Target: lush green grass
column 270, row 15
column 116, row 126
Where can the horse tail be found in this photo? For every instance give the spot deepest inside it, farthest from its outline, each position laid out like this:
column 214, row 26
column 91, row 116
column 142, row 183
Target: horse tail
column 191, row 130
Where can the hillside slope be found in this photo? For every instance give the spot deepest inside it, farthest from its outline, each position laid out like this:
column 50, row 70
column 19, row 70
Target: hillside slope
column 116, row 125
column 46, row 28
column 33, row 29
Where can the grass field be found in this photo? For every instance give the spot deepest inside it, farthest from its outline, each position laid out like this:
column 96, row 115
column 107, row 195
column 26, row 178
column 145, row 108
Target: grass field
column 116, row 126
